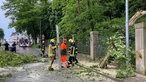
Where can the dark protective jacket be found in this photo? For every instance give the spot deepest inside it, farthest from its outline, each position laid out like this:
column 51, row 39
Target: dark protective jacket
column 73, row 50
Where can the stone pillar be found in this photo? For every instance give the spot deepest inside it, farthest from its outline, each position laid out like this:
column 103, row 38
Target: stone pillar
column 93, row 44
column 140, row 47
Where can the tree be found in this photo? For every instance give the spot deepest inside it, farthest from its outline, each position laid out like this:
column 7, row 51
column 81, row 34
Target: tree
column 1, row 33
column 33, row 16
column 23, row 14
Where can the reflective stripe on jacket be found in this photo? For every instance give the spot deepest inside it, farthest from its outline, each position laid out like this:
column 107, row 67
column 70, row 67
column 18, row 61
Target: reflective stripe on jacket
column 51, row 50
column 73, row 50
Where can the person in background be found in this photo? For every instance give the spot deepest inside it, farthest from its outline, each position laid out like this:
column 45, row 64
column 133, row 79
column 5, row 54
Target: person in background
column 43, row 48
column 6, row 46
column 63, row 50
column 51, row 54
column 13, row 47
column 73, row 51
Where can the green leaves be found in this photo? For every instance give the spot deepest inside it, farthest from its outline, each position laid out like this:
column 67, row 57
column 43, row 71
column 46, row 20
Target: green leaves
column 124, row 73
column 120, row 58
column 14, row 59
column 1, row 33
column 26, row 15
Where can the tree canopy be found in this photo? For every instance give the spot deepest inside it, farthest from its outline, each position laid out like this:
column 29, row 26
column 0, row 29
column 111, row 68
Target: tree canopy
column 1, row 33
column 33, row 16
column 73, row 16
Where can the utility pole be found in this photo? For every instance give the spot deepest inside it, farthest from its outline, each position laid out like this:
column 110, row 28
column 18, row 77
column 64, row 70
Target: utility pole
column 58, row 44
column 127, row 28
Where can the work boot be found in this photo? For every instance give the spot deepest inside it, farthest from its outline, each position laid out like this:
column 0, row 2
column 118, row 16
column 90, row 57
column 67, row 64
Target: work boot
column 68, row 66
column 62, row 66
column 76, row 61
column 54, row 58
column 50, row 69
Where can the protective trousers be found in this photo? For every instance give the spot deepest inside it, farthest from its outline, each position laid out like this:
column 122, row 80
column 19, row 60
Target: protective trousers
column 71, row 60
column 64, row 60
column 51, row 61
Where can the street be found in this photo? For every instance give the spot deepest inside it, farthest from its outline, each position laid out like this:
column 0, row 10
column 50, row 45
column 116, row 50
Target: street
column 28, row 51
column 37, row 72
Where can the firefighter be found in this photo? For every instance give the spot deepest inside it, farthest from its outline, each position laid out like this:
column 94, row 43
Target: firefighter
column 63, row 50
column 43, row 48
column 73, row 51
column 13, row 47
column 51, row 54
column 6, row 46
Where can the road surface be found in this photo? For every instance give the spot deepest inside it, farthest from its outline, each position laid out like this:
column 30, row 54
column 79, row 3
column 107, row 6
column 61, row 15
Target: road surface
column 37, row 72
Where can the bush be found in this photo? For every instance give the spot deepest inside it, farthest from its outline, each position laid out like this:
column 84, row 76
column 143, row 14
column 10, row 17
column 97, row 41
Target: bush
column 123, row 61
column 14, row 59
column 124, row 73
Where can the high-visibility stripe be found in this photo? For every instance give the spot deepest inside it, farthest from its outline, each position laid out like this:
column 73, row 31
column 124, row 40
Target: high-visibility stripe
column 49, row 51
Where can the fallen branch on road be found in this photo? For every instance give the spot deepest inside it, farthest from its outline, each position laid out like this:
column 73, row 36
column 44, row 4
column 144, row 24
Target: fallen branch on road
column 95, row 71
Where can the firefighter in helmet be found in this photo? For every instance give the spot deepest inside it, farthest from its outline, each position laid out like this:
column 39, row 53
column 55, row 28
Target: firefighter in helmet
column 73, row 51
column 51, row 53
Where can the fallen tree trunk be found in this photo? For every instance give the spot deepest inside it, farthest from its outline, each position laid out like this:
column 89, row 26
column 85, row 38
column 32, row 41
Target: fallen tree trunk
column 132, row 21
column 103, row 63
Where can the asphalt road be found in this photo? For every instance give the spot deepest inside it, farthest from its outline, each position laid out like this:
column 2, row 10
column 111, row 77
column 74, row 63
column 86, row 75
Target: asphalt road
column 28, row 51
column 37, row 72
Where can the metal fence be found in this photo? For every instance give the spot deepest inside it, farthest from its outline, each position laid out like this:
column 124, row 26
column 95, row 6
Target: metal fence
column 84, row 46
column 101, row 46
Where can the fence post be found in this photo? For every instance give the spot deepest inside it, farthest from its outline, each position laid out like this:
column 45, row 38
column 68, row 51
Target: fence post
column 140, row 47
column 93, row 44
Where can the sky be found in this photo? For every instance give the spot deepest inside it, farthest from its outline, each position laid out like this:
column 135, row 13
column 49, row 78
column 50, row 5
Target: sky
column 4, row 22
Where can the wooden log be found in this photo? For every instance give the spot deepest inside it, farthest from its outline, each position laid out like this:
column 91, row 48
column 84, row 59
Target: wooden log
column 103, row 63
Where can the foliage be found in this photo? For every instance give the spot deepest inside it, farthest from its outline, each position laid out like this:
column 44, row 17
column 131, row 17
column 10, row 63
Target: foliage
column 124, row 73
column 14, row 59
column 73, row 16
column 123, row 61
column 33, row 16
column 1, row 33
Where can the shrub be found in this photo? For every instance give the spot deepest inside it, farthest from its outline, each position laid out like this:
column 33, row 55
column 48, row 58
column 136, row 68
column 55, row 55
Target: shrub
column 123, row 61
column 14, row 59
